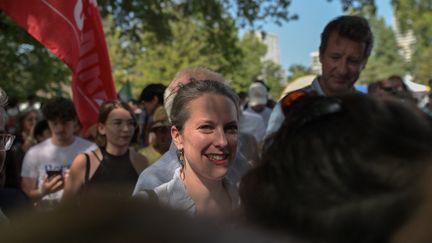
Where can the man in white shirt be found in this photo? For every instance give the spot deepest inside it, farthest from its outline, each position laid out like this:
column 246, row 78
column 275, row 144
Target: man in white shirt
column 44, row 164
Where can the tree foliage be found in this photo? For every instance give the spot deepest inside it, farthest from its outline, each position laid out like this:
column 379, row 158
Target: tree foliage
column 148, row 29
column 274, row 75
column 416, row 16
column 385, row 59
column 191, row 44
column 297, row 71
column 250, row 65
column 25, row 65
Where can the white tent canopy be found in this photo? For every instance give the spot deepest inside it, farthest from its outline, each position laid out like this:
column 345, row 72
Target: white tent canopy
column 415, row 87
column 298, row 84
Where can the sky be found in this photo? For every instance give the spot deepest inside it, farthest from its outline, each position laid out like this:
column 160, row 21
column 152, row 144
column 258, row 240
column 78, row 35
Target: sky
column 298, row 38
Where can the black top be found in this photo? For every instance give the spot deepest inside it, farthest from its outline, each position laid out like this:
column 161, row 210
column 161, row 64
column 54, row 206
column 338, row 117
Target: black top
column 115, row 175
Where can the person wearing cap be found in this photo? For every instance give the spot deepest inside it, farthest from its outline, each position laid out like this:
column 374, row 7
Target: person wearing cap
column 346, row 44
column 160, row 127
column 258, row 97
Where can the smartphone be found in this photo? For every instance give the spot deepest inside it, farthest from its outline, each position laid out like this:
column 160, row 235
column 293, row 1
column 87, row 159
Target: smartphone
column 52, row 173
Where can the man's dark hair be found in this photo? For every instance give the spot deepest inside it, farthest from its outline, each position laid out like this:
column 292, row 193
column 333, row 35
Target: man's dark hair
column 151, row 91
column 40, row 127
column 59, row 108
column 355, row 28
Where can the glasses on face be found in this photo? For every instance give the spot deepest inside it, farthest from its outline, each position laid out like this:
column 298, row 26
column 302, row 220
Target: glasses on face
column 6, row 141
column 120, row 124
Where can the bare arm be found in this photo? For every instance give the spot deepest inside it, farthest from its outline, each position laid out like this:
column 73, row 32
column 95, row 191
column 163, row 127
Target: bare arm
column 75, row 178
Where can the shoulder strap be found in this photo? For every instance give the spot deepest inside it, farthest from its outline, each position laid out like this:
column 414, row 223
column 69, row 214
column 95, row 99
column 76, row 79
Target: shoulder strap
column 87, row 171
column 95, row 154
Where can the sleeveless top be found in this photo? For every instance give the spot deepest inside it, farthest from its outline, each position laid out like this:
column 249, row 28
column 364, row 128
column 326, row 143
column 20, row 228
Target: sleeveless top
column 115, row 175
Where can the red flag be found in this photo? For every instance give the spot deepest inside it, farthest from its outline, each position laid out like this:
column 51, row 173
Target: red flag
column 72, row 30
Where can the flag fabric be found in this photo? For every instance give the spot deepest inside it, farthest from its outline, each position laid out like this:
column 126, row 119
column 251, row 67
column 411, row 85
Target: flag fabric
column 72, row 30
column 125, row 93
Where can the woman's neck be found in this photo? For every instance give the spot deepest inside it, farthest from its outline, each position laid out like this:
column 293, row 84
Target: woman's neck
column 115, row 150
column 210, row 196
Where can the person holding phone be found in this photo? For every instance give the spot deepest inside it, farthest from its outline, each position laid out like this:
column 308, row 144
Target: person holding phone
column 40, row 184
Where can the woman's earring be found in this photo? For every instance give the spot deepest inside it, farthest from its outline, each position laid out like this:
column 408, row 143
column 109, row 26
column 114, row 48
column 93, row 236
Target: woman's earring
column 180, row 155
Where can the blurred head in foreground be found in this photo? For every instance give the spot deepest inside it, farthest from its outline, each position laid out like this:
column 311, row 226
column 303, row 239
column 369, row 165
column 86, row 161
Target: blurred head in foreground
column 344, row 169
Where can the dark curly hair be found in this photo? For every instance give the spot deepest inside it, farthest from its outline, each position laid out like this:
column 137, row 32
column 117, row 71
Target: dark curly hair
column 59, row 108
column 340, row 169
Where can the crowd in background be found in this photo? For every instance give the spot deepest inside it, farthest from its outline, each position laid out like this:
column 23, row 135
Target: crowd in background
column 325, row 163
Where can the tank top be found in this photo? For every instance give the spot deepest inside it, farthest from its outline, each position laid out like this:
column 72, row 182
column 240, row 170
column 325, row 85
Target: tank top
column 115, row 175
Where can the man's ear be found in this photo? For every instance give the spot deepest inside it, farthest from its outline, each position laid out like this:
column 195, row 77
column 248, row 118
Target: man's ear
column 176, row 137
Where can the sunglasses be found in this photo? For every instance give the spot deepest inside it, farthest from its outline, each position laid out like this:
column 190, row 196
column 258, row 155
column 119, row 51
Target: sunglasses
column 289, row 99
column 320, row 107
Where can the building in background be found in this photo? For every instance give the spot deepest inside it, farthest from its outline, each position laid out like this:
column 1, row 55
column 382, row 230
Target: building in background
column 315, row 62
column 273, row 47
column 405, row 41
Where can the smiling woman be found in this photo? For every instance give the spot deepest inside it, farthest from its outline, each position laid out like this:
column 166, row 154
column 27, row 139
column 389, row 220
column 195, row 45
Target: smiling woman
column 204, row 117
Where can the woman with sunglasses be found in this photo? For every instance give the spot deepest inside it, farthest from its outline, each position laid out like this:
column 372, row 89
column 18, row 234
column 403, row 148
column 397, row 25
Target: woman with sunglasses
column 113, row 168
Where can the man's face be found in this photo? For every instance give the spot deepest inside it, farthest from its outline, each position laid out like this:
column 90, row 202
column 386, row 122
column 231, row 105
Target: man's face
column 62, row 131
column 342, row 61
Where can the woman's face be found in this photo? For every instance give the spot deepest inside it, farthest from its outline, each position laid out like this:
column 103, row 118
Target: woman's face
column 119, row 127
column 30, row 121
column 209, row 135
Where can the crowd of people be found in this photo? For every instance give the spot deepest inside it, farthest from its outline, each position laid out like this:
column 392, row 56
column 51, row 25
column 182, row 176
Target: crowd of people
column 325, row 163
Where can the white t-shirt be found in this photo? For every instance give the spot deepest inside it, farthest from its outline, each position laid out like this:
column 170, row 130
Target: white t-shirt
column 253, row 124
column 47, row 156
column 265, row 114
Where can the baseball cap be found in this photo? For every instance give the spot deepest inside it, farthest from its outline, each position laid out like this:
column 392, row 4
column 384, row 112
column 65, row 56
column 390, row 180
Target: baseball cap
column 257, row 94
column 160, row 118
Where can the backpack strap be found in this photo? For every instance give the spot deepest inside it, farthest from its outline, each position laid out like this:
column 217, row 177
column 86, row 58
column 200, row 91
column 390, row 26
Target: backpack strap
column 87, row 170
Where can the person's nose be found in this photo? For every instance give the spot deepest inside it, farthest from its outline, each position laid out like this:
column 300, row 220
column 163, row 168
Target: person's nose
column 220, row 138
column 342, row 67
column 126, row 127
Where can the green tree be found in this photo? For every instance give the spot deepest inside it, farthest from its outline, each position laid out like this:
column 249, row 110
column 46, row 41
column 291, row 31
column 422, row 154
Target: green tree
column 416, row 16
column 25, row 65
column 297, row 71
column 274, row 75
column 385, row 59
column 191, row 44
column 250, row 66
